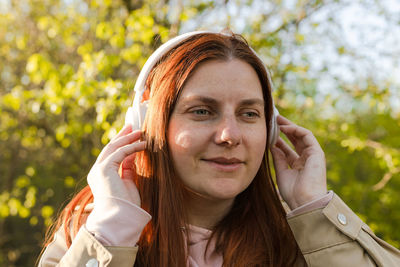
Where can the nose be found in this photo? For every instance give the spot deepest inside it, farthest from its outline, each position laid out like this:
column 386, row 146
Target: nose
column 228, row 132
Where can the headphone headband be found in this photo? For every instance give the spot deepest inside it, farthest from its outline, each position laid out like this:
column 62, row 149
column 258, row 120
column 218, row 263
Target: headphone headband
column 136, row 113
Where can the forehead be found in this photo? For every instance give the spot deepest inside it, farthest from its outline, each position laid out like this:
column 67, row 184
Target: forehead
column 216, row 78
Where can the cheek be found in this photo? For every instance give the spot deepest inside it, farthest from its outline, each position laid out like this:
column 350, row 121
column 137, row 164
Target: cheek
column 182, row 140
column 185, row 148
column 258, row 142
column 261, row 145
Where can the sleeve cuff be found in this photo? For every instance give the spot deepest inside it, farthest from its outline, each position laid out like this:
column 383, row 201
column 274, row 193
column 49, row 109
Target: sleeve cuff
column 84, row 248
column 335, row 224
column 318, row 203
column 116, row 222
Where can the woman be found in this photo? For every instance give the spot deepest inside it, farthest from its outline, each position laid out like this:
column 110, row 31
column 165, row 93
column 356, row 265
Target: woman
column 196, row 187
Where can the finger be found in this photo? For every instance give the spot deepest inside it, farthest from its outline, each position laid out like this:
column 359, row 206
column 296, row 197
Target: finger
column 279, row 159
column 124, row 131
column 126, row 168
column 127, row 163
column 135, row 135
column 127, row 173
column 294, row 137
column 283, row 121
column 117, row 143
column 290, row 154
column 121, row 153
column 299, row 131
column 299, row 137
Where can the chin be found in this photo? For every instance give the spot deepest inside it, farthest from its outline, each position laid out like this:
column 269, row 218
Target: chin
column 225, row 191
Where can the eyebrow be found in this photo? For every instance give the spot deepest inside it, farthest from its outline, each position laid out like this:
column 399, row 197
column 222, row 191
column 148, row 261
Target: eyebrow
column 252, row 101
column 212, row 101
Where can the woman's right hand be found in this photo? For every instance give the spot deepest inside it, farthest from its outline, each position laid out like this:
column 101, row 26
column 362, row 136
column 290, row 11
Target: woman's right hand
column 104, row 179
column 116, row 198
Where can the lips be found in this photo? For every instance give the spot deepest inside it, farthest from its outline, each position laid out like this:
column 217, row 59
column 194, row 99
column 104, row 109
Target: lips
column 222, row 164
column 225, row 161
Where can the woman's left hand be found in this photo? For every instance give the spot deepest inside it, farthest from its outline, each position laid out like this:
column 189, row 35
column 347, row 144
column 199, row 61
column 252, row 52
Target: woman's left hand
column 301, row 173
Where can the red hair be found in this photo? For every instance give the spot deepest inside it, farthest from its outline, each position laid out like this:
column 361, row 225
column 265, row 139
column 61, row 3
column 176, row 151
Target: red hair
column 255, row 231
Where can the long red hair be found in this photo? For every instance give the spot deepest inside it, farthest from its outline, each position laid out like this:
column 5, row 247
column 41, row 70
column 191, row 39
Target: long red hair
column 255, row 231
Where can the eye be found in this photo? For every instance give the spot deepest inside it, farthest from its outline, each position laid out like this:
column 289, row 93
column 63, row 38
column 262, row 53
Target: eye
column 250, row 114
column 201, row 112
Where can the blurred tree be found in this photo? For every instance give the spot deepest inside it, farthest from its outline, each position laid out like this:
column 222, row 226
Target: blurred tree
column 67, row 72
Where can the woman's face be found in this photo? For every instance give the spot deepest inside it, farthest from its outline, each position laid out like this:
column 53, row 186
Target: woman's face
column 217, row 131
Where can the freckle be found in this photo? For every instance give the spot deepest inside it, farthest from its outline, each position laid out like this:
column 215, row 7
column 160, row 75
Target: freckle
column 183, row 139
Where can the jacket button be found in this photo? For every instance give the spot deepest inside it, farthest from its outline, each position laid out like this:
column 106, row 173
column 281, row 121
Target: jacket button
column 92, row 263
column 342, row 218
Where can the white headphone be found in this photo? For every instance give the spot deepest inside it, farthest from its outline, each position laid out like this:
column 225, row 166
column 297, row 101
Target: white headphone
column 137, row 112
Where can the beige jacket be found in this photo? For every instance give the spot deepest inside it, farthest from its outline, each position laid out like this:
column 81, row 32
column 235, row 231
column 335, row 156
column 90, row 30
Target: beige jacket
column 331, row 236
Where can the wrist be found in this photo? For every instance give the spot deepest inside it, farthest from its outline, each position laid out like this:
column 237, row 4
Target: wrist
column 306, row 199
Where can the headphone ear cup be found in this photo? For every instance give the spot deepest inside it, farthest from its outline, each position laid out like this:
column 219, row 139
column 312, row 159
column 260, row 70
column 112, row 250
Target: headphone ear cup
column 135, row 115
column 130, row 116
column 142, row 114
column 274, row 131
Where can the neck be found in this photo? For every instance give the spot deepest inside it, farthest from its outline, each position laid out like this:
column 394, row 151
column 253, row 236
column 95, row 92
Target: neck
column 206, row 213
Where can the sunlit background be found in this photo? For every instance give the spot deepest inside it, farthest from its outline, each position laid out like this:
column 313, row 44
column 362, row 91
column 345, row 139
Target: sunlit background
column 67, row 69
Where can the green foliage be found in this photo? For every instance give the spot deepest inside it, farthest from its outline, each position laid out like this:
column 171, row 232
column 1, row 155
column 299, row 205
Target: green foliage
column 67, row 73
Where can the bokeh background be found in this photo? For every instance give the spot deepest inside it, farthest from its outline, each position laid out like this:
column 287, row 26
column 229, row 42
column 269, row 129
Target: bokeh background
column 67, row 70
